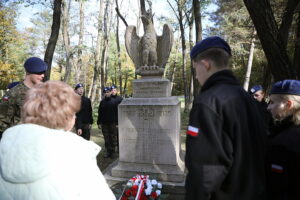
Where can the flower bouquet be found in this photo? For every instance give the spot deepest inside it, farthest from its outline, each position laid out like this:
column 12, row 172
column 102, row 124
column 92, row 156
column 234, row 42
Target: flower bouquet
column 141, row 187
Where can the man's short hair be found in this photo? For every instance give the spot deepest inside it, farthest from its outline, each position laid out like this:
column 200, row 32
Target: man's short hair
column 219, row 57
column 51, row 104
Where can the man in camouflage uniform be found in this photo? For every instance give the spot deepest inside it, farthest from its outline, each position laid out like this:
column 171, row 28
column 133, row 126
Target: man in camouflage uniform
column 11, row 103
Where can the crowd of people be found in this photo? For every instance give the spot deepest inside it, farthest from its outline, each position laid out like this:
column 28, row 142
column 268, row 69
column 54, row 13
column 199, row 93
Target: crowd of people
column 233, row 150
column 240, row 144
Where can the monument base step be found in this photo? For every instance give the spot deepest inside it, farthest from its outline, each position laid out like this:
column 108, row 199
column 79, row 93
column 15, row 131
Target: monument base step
column 165, row 173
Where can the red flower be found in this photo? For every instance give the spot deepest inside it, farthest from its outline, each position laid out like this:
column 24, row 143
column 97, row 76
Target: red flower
column 134, row 192
column 135, row 187
column 128, row 193
column 143, row 197
column 153, row 195
column 124, row 198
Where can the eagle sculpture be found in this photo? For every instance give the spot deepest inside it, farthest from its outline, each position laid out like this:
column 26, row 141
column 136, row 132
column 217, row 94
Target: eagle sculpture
column 150, row 52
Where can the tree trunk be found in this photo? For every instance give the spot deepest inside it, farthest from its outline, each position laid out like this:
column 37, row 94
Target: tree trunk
column 106, row 24
column 183, row 52
column 286, row 22
column 119, row 54
column 80, row 75
column 53, row 37
column 198, row 21
column 97, row 55
column 192, row 83
column 267, row 31
column 249, row 65
column 297, row 48
column 175, row 62
column 66, row 39
column 198, row 30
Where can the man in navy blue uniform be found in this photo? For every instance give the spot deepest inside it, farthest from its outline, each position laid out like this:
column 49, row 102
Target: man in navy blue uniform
column 107, row 121
column 259, row 95
column 84, row 117
column 226, row 139
column 116, row 100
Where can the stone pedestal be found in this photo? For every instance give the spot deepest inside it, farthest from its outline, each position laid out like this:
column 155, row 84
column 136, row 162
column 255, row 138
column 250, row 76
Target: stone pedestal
column 151, row 88
column 149, row 133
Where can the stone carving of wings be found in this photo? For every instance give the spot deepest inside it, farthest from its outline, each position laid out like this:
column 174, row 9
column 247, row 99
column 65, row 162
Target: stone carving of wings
column 164, row 45
column 133, row 47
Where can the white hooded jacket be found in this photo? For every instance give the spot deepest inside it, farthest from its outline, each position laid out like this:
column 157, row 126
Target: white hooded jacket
column 38, row 163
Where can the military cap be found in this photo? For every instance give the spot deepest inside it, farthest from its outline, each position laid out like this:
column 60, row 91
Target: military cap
column 35, row 65
column 106, row 89
column 113, row 87
column 13, row 84
column 210, row 42
column 255, row 88
column 78, row 86
column 286, row 87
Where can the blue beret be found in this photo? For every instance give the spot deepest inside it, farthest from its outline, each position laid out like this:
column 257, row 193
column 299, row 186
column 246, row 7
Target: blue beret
column 210, row 42
column 78, row 86
column 106, row 89
column 255, row 88
column 286, row 87
column 35, row 65
column 113, row 87
column 12, row 84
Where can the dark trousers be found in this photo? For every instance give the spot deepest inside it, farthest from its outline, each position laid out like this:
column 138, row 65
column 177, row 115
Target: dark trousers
column 86, row 131
column 110, row 133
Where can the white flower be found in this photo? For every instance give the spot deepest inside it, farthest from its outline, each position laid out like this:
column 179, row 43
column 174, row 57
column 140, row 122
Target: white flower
column 148, row 191
column 158, row 192
column 159, row 185
column 153, row 182
column 148, row 183
column 136, row 182
column 129, row 184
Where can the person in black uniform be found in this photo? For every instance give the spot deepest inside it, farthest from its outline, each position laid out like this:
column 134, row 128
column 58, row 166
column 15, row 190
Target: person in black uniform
column 107, row 121
column 117, row 100
column 226, row 139
column 283, row 155
column 84, row 117
column 259, row 95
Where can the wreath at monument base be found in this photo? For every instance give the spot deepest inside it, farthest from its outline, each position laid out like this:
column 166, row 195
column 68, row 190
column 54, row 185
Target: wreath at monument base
column 141, row 187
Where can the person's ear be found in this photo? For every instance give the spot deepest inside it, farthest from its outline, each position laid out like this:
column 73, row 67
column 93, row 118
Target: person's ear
column 206, row 64
column 289, row 104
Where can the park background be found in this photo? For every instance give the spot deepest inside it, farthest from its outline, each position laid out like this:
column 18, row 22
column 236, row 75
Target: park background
column 83, row 40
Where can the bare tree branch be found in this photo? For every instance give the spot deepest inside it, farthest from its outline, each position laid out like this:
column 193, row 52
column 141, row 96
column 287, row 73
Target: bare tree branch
column 173, row 9
column 120, row 15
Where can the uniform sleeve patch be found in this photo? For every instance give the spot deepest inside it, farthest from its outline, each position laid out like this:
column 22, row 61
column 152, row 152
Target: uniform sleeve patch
column 192, row 131
column 277, row 168
column 5, row 98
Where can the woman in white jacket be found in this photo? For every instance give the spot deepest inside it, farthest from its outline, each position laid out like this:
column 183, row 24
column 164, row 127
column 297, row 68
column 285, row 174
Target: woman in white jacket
column 41, row 160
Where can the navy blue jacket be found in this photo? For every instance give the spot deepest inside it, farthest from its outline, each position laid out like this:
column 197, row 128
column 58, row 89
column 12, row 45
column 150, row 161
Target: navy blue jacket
column 283, row 161
column 85, row 114
column 225, row 147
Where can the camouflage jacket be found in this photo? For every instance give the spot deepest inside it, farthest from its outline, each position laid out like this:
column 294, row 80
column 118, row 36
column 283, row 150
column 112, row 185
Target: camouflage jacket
column 10, row 106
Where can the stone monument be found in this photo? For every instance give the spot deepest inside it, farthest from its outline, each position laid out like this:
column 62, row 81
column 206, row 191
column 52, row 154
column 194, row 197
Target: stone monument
column 149, row 123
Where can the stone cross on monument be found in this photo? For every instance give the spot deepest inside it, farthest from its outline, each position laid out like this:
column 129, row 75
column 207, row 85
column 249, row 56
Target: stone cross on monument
column 149, row 123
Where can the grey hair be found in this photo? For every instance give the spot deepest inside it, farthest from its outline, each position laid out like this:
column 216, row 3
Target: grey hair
column 295, row 111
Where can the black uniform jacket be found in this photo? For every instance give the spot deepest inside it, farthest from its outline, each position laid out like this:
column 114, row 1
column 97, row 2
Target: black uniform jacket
column 107, row 112
column 283, row 161
column 266, row 115
column 85, row 114
column 225, row 145
column 117, row 100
